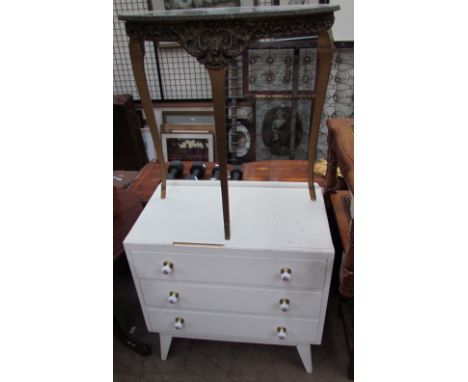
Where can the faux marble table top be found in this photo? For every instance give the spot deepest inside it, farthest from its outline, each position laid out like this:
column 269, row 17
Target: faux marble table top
column 231, row 13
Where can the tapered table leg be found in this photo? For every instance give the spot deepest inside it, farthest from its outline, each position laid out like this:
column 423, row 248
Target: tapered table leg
column 306, row 356
column 165, row 343
column 217, row 86
column 324, row 50
column 137, row 54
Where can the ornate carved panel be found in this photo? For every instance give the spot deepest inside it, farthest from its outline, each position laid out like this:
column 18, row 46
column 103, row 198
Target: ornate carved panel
column 219, row 43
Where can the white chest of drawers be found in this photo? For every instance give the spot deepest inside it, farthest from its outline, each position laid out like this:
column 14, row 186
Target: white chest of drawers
column 268, row 284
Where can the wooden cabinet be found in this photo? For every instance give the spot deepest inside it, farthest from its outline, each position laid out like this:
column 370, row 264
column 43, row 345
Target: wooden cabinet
column 341, row 154
column 129, row 149
column 268, row 284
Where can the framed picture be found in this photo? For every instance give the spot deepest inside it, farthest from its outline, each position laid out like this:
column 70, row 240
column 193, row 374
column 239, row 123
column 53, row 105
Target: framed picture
column 168, row 44
column 186, row 117
column 241, row 141
column 190, row 147
column 188, row 129
column 241, row 133
column 274, row 127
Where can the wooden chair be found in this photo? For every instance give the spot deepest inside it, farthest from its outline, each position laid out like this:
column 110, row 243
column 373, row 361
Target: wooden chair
column 341, row 154
column 127, row 208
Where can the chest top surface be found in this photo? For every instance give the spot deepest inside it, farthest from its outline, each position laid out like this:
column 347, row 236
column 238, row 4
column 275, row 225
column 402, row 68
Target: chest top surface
column 231, row 13
column 264, row 215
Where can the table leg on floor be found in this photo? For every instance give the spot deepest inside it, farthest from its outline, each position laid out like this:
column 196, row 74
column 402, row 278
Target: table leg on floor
column 306, row 356
column 165, row 342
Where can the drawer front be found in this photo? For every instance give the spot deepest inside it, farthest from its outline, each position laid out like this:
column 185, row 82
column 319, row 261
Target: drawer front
column 222, row 268
column 230, row 299
column 226, row 326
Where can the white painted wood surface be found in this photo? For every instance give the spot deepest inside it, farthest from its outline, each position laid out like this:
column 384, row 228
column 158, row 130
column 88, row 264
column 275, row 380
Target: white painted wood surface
column 234, row 299
column 264, row 215
column 299, row 330
column 306, row 356
column 252, row 270
column 231, row 290
column 165, row 343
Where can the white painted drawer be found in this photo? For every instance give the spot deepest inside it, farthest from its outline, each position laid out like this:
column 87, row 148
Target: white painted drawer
column 230, row 298
column 235, row 326
column 222, row 268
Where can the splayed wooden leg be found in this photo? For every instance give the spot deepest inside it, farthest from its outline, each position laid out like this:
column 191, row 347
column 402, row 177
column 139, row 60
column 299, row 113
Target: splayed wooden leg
column 324, row 48
column 137, row 55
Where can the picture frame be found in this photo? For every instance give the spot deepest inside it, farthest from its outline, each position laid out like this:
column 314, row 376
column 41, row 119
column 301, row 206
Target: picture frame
column 272, row 127
column 188, row 117
column 198, row 129
column 168, row 44
column 241, row 141
column 241, row 137
column 188, row 147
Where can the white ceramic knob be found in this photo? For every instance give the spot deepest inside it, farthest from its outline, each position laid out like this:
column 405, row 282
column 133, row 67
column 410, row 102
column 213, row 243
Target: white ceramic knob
column 284, row 304
column 173, row 297
column 167, row 267
column 179, row 323
column 286, row 274
column 281, row 332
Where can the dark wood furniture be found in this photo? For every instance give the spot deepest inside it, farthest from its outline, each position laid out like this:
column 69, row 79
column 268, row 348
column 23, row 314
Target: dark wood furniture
column 123, row 178
column 127, row 208
column 129, row 149
column 341, row 154
column 215, row 37
column 149, row 178
column 279, row 170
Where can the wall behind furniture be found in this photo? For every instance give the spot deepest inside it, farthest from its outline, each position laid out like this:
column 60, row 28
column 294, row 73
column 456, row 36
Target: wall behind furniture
column 343, row 29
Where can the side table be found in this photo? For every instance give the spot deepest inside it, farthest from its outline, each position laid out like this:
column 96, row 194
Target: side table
column 215, row 37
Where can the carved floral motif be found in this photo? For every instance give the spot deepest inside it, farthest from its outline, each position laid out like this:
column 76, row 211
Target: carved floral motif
column 219, row 43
